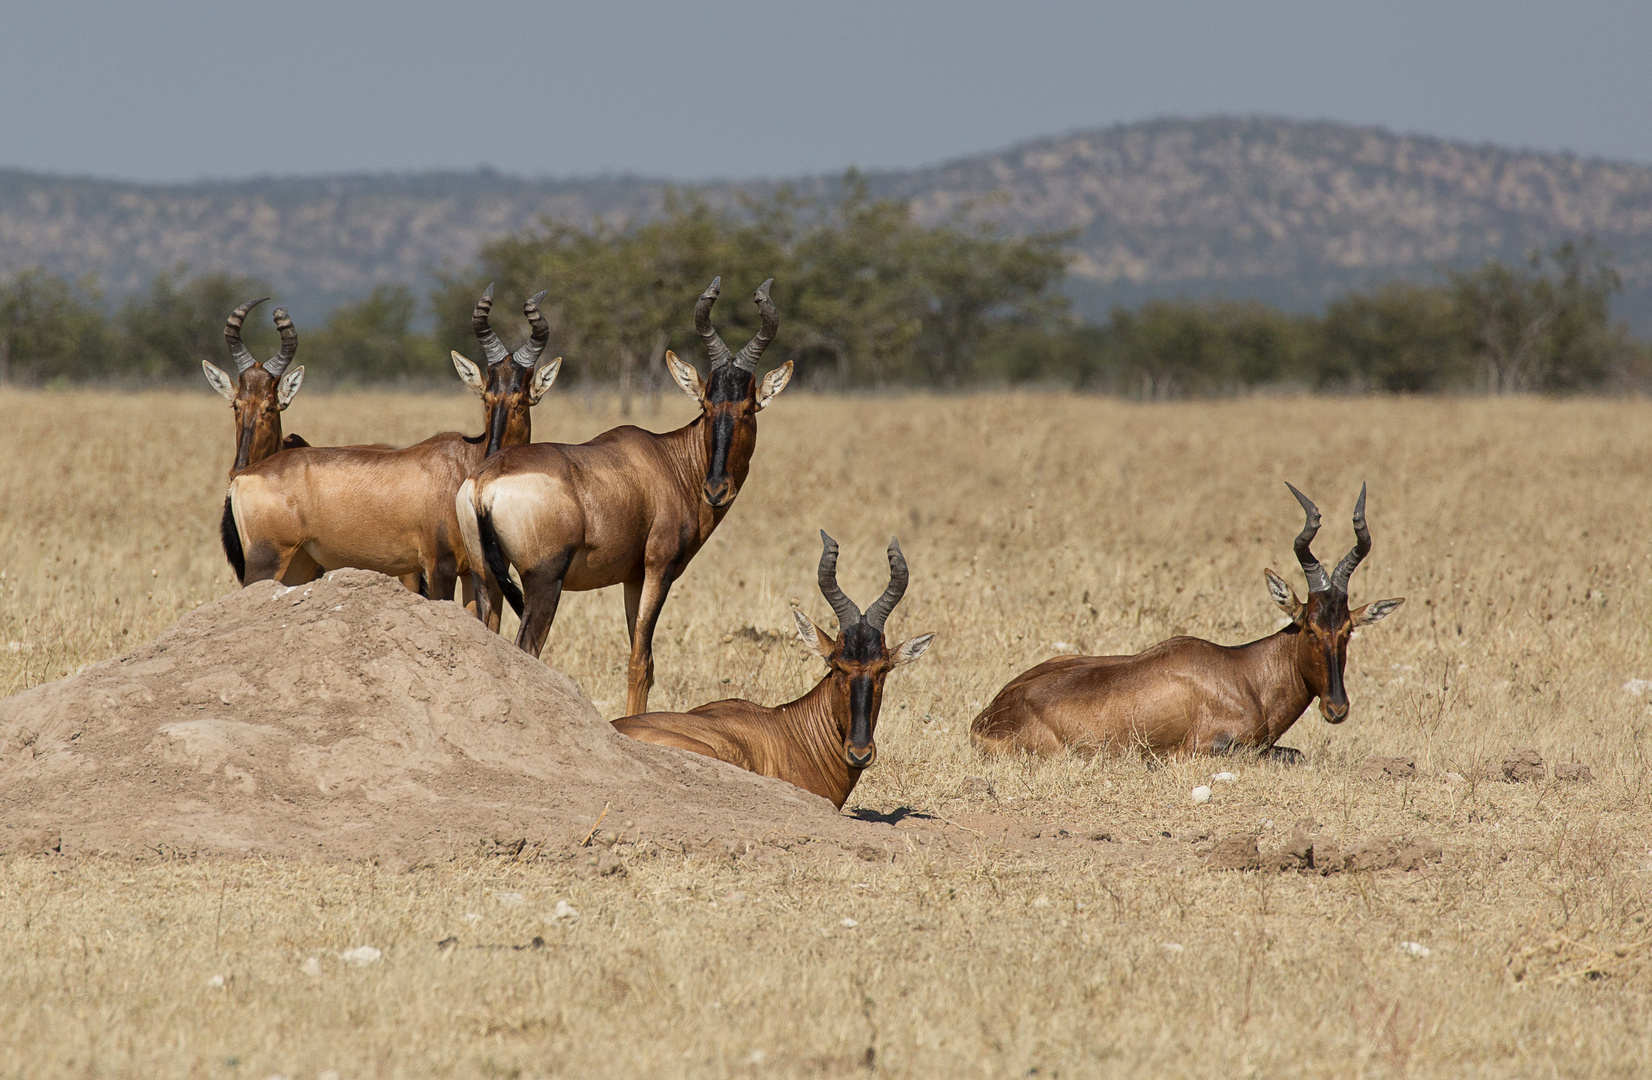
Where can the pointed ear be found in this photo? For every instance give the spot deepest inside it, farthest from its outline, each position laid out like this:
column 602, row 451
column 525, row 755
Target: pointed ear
column 543, row 377
column 1283, row 595
column 687, row 378
column 287, row 388
column 220, row 381
column 470, row 373
column 774, row 382
column 1376, row 611
column 910, row 649
column 812, row 636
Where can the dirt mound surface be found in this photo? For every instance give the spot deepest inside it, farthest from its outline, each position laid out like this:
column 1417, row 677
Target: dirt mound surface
column 350, row 718
column 1310, row 851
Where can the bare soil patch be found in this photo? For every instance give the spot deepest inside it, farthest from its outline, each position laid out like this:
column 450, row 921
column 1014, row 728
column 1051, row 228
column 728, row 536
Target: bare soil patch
column 352, row 719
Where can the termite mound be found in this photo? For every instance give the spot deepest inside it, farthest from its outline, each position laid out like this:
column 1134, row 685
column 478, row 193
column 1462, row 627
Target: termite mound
column 352, row 719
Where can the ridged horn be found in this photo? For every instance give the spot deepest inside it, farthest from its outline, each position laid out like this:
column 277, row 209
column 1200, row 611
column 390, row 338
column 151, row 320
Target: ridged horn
column 232, row 335
column 1362, row 547
column 715, row 349
column 493, row 350
column 753, row 351
column 843, row 607
column 878, row 613
column 1311, row 569
column 528, row 355
column 277, row 364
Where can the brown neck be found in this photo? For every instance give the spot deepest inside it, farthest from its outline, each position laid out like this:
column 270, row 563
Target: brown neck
column 815, row 723
column 1273, row 671
column 258, row 444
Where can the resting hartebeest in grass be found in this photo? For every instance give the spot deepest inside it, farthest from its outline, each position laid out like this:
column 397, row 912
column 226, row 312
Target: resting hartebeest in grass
column 824, row 740
column 629, row 507
column 313, row 509
column 260, row 393
column 1189, row 696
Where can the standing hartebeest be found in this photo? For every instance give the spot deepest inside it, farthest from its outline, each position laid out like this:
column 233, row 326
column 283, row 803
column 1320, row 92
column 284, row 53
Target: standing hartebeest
column 1190, row 696
column 823, row 741
column 320, row 508
column 629, row 507
column 260, row 393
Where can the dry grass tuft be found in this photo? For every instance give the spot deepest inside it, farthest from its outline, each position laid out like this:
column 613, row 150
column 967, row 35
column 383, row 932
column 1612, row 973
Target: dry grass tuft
column 1518, row 531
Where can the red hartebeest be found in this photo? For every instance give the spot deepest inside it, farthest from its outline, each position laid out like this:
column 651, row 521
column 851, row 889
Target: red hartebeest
column 824, row 740
column 629, row 507
column 1189, row 696
column 260, row 393
column 314, row 509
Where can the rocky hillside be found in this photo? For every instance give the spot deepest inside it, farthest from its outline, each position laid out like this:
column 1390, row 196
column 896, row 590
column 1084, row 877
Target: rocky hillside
column 1286, row 211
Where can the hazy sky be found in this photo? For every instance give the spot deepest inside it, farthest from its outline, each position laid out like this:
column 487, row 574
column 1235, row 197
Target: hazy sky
column 717, row 88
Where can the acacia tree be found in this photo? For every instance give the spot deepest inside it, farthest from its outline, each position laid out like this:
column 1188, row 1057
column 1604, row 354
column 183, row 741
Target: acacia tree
column 50, row 328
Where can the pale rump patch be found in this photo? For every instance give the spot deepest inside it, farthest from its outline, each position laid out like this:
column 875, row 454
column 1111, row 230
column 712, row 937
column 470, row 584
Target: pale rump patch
column 517, row 504
column 464, row 508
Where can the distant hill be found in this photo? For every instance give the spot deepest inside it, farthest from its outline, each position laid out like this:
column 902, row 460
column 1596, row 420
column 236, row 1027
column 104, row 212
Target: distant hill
column 1286, row 211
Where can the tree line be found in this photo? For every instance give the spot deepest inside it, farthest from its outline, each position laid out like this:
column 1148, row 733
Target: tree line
column 869, row 298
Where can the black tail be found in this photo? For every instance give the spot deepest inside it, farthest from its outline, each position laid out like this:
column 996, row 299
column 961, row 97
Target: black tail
column 232, row 544
column 496, row 561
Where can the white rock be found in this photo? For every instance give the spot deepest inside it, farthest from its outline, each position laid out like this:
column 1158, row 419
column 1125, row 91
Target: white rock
column 1171, row 946
column 1041, row 902
column 1225, row 777
column 510, row 899
column 216, row 982
column 1201, row 794
column 360, row 956
column 1637, row 687
column 563, row 912
column 848, row 924
column 311, row 967
column 1063, row 647
column 1415, row 948
column 472, row 918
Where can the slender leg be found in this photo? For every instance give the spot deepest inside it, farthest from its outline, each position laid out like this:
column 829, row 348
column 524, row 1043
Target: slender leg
column 441, row 579
column 541, row 592
column 640, row 675
column 633, row 595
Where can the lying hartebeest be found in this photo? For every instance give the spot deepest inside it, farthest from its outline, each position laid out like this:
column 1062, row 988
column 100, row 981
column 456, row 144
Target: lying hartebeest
column 629, row 507
column 320, row 508
column 823, row 741
column 1189, row 696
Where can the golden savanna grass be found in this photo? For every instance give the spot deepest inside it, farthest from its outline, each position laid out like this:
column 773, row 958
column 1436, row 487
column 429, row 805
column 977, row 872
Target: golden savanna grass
column 1517, row 530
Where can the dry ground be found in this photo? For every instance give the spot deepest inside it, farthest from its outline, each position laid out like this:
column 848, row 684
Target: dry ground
column 1518, row 531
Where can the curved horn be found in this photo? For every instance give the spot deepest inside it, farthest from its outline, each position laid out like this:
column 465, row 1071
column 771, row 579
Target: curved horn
column 277, row 364
column 232, row 335
column 843, row 607
column 1315, row 573
column 1362, row 548
column 493, row 350
column 753, row 351
column 702, row 322
column 878, row 613
column 528, row 355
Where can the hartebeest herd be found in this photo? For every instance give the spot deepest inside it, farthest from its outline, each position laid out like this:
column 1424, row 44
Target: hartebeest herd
column 633, row 507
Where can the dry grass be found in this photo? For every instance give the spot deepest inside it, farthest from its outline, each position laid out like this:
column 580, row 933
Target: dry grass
column 1518, row 531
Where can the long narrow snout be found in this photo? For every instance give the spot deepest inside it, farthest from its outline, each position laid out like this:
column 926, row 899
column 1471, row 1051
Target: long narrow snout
column 860, row 751
column 1333, row 703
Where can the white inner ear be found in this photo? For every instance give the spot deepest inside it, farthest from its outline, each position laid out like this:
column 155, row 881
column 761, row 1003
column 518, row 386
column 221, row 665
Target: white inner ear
column 807, row 632
column 1283, row 594
column 542, row 380
column 288, row 387
column 774, row 382
column 470, row 373
column 686, row 376
column 909, row 650
column 220, row 381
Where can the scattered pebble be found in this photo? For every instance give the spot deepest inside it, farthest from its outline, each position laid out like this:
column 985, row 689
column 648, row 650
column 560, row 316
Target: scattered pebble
column 1063, row 647
column 472, row 918
column 564, row 912
column 1415, row 948
column 510, row 899
column 1201, row 794
column 1637, row 687
column 216, row 982
column 1172, row 946
column 848, row 924
column 360, row 956
column 1041, row 902
column 1225, row 777
column 311, row 967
